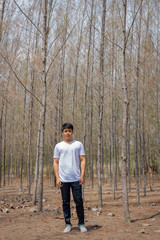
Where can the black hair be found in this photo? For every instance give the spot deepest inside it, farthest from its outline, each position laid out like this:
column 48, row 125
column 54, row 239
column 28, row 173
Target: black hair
column 67, row 125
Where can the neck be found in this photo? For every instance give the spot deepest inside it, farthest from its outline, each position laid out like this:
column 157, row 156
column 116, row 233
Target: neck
column 68, row 140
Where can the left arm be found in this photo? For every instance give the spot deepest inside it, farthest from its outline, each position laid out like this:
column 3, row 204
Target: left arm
column 83, row 166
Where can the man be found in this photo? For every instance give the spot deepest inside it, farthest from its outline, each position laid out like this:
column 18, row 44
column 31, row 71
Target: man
column 69, row 167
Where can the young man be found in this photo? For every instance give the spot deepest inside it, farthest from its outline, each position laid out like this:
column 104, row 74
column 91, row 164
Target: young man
column 69, row 159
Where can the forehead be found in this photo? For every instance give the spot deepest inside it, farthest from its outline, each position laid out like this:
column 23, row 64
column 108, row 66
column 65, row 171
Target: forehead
column 67, row 129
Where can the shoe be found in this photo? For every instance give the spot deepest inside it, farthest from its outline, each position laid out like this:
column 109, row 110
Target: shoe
column 67, row 229
column 83, row 228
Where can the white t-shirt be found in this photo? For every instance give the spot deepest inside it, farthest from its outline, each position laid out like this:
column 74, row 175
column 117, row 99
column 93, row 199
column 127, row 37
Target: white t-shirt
column 69, row 162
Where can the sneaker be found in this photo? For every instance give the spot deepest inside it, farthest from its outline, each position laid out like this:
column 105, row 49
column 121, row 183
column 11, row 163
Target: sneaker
column 83, row 228
column 67, row 229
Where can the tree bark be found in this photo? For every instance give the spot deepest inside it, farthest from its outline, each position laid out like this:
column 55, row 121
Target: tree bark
column 1, row 146
column 113, row 105
column 125, row 119
column 76, row 68
column 1, row 20
column 22, row 150
column 101, row 100
column 1, row 117
column 137, row 102
column 4, row 145
column 91, row 98
column 143, row 109
column 43, row 110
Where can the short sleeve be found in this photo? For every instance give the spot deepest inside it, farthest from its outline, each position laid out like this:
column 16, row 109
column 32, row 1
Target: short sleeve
column 82, row 151
column 56, row 152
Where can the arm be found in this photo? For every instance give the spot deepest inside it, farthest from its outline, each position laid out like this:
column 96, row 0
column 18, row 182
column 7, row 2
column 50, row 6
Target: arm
column 56, row 171
column 83, row 166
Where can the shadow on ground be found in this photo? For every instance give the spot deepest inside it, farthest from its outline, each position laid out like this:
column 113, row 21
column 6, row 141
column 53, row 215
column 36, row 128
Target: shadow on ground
column 141, row 219
column 89, row 227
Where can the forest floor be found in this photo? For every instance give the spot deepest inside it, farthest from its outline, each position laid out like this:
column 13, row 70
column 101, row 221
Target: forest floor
column 23, row 222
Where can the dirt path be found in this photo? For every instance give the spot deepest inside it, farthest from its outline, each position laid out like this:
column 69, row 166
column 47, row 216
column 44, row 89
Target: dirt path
column 22, row 222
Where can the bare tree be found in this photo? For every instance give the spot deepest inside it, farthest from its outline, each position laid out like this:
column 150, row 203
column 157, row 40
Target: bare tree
column 2, row 17
column 77, row 65
column 113, row 103
column 101, row 98
column 2, row 108
column 91, row 95
column 125, row 118
column 137, row 96
column 43, row 109
column 158, row 93
column 4, row 145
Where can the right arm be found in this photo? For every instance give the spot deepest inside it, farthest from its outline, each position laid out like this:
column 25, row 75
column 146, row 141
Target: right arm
column 56, row 171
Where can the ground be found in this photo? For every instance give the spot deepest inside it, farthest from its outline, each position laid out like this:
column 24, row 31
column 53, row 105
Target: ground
column 23, row 222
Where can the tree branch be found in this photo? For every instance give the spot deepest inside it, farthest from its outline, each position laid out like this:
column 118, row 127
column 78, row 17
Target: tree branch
column 107, row 38
column 28, row 17
column 19, row 78
column 61, row 47
column 133, row 22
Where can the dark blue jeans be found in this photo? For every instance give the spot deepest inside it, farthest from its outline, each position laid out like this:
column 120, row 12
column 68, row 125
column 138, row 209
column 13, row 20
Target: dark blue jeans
column 77, row 196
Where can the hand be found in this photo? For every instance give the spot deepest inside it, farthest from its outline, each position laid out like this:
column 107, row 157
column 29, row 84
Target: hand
column 59, row 184
column 81, row 180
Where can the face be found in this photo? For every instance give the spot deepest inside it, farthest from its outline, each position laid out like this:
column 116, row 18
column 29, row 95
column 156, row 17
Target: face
column 67, row 135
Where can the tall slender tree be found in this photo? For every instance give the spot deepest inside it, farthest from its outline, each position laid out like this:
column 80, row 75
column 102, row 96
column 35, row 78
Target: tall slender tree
column 43, row 109
column 137, row 102
column 101, row 103
column 125, row 118
column 2, row 107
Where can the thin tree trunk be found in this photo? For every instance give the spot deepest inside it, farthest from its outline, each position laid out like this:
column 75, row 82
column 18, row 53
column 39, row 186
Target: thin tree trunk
column 39, row 126
column 76, row 67
column 43, row 111
column 143, row 148
column 128, row 153
column 113, row 104
column 51, row 145
column 143, row 112
column 0, row 149
column 158, row 93
column 110, row 159
column 140, row 154
column 93, row 149
column 149, row 177
column 106, row 159
column 61, row 74
column 92, row 97
column 137, row 100
column 9, row 162
column 4, row 146
column 12, row 137
column 1, row 138
column 91, row 140
column 116, row 158
column 125, row 120
column 101, row 99
column 1, row 117
column 29, row 165
column 22, row 150
column 37, row 164
column 85, row 107
column 55, row 131
column 1, row 20
column 102, row 159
